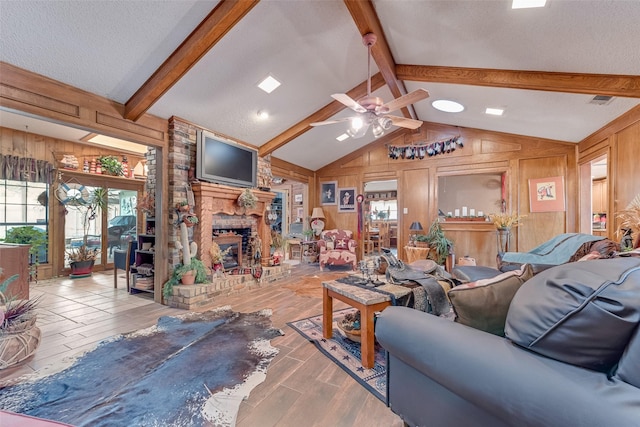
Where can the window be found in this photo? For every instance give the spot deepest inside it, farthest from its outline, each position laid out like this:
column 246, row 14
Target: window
column 24, row 215
column 384, row 210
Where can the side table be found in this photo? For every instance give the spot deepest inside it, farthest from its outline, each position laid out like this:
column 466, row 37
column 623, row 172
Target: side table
column 368, row 302
column 414, row 253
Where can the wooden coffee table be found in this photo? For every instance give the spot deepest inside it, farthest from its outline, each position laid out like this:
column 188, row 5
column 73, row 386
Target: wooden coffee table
column 368, row 302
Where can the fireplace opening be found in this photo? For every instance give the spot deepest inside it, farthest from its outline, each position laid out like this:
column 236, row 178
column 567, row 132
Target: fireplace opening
column 238, row 240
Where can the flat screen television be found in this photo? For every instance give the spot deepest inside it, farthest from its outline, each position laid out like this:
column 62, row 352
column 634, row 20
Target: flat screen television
column 225, row 162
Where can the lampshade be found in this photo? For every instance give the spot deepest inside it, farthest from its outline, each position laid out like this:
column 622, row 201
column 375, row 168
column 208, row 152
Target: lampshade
column 415, row 226
column 317, row 213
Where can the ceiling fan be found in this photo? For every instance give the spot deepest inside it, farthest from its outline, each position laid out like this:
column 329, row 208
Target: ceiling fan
column 372, row 110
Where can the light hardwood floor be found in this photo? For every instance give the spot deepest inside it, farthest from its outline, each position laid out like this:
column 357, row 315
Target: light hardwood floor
column 303, row 387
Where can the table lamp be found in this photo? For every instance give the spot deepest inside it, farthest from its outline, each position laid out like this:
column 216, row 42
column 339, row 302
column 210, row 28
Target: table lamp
column 317, row 223
column 414, row 229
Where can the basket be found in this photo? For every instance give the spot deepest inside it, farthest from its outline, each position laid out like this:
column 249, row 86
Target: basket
column 18, row 342
column 352, row 334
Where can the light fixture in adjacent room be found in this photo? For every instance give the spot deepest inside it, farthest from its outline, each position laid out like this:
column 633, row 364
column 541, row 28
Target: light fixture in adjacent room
column 342, row 137
column 263, row 115
column 494, row 111
column 269, row 84
column 527, row 4
column 447, row 106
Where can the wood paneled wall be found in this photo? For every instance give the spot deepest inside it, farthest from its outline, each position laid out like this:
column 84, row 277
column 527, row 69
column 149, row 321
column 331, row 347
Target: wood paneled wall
column 620, row 142
column 519, row 157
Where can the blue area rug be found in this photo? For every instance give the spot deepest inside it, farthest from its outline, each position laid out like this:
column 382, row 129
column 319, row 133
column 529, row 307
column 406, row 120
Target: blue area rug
column 190, row 370
column 346, row 353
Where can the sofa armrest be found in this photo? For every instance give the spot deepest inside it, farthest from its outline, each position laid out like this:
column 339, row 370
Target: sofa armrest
column 503, row 379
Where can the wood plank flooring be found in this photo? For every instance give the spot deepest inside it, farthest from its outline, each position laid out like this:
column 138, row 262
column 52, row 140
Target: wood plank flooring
column 303, row 387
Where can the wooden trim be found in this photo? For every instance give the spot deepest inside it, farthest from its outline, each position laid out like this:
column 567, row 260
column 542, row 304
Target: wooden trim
column 284, row 169
column 594, row 84
column 367, row 21
column 209, row 32
column 329, row 110
column 24, row 91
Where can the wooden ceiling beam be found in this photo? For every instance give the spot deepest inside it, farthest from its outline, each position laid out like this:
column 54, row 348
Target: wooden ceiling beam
column 592, row 84
column 367, row 21
column 211, row 30
column 326, row 112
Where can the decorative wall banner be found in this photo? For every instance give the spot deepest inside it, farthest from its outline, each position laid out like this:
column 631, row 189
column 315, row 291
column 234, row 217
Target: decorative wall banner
column 420, row 151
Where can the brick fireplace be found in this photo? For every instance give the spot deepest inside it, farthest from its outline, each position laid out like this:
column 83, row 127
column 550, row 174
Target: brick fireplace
column 217, row 208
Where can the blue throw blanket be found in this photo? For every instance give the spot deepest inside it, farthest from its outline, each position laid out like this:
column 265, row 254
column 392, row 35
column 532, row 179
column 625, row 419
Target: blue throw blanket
column 556, row 251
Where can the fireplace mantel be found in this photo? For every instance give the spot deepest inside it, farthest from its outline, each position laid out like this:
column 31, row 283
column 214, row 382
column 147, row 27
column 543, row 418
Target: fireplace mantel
column 214, row 199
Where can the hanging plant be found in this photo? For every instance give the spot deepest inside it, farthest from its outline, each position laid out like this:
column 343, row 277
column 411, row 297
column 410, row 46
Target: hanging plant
column 247, row 199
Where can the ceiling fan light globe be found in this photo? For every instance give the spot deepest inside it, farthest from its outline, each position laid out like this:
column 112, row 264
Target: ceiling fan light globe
column 357, row 123
column 378, row 131
column 385, row 123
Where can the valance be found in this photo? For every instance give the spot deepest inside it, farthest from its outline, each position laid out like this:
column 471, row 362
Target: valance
column 25, row 169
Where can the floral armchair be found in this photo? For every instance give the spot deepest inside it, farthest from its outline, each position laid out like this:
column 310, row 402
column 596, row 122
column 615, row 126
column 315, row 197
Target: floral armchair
column 337, row 247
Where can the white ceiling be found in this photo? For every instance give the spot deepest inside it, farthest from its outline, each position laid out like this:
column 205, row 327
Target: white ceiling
column 314, row 48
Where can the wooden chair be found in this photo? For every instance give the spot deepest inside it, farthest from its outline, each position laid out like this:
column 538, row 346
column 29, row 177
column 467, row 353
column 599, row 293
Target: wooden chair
column 371, row 239
column 123, row 260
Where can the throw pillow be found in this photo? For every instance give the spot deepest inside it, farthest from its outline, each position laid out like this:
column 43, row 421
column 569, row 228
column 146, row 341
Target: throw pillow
column 329, row 245
column 342, row 244
column 579, row 313
column 484, row 304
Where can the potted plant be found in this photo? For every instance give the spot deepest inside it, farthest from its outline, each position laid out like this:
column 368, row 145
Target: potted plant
column 439, row 244
column 182, row 273
column 183, row 206
column 19, row 337
column 111, row 165
column 190, row 220
column 82, row 257
column 308, row 234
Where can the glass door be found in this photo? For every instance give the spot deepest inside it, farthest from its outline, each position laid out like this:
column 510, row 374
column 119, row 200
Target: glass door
column 121, row 220
column 82, row 226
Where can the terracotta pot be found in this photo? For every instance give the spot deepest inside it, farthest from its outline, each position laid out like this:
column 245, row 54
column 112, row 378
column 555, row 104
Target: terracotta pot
column 188, row 278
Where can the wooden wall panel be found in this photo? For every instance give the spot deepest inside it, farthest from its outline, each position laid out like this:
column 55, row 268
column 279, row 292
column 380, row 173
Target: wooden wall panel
column 413, row 195
column 625, row 166
column 539, row 227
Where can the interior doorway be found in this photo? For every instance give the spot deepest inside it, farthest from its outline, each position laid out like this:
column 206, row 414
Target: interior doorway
column 594, row 197
column 381, row 211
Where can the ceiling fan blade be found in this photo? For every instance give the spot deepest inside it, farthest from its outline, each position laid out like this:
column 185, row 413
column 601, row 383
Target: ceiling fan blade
column 347, row 101
column 404, row 100
column 403, row 122
column 330, row 122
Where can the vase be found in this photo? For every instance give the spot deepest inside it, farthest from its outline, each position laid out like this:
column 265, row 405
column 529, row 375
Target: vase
column 503, row 237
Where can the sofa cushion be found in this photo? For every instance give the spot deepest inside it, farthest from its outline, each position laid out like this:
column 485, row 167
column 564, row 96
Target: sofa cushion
column 629, row 365
column 471, row 273
column 580, row 313
column 484, row 304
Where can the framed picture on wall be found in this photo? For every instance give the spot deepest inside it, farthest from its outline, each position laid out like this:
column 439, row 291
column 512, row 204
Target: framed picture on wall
column 328, row 191
column 547, row 194
column 347, row 199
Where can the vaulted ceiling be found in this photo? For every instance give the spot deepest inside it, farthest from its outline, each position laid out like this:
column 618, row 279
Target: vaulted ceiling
column 202, row 61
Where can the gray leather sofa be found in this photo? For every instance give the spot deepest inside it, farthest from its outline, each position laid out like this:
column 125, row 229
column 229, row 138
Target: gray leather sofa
column 576, row 361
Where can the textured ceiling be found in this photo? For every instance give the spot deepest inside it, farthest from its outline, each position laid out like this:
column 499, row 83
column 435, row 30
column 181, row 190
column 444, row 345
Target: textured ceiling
column 313, row 47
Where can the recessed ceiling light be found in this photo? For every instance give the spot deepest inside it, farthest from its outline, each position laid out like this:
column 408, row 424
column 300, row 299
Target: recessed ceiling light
column 269, row 84
column 263, row 115
column 526, row 4
column 447, row 106
column 494, row 111
column 342, row 137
